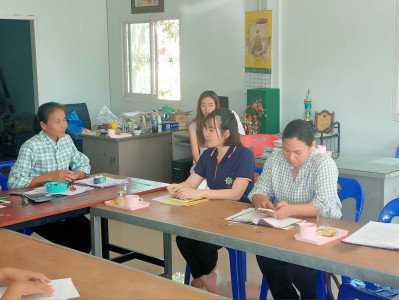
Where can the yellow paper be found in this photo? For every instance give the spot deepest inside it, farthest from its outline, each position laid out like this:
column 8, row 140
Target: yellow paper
column 182, row 202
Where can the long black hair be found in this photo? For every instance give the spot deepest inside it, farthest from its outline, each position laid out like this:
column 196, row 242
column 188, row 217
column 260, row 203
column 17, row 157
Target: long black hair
column 227, row 122
column 43, row 113
column 301, row 130
column 200, row 118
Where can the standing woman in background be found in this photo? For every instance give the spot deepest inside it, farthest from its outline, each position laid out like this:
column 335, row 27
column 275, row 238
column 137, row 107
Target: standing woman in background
column 208, row 101
column 51, row 155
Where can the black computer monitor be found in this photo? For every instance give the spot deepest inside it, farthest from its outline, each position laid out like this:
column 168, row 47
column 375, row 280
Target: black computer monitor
column 224, row 101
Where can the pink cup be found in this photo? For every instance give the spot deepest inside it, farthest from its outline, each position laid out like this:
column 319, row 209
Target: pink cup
column 111, row 132
column 133, row 200
column 307, row 230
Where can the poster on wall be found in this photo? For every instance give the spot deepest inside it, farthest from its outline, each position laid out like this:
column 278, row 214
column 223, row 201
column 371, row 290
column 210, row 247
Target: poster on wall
column 258, row 39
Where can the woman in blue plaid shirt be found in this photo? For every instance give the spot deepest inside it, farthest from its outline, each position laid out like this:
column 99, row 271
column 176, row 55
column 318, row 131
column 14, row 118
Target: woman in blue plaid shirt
column 51, row 155
column 302, row 180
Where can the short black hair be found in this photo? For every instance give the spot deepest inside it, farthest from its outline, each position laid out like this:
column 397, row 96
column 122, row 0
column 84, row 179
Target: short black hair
column 300, row 129
column 227, row 122
column 43, row 112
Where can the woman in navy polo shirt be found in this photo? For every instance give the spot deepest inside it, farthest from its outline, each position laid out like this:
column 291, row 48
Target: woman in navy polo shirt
column 228, row 168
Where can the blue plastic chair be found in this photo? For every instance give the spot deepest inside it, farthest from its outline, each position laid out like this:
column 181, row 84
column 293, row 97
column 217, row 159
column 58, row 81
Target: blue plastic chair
column 258, row 170
column 237, row 271
column 350, row 188
column 3, row 178
column 3, row 182
column 348, row 292
column 389, row 211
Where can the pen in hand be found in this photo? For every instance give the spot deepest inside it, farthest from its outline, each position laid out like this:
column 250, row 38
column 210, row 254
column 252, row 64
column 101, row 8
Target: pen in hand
column 266, row 209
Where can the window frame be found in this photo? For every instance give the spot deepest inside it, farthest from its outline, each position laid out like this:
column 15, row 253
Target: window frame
column 395, row 90
column 151, row 98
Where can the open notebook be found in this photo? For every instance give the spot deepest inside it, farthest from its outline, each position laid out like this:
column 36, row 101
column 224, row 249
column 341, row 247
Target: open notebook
column 251, row 216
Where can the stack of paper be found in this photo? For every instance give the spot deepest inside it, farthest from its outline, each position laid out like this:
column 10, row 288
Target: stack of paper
column 251, row 216
column 167, row 199
column 376, row 234
column 108, row 182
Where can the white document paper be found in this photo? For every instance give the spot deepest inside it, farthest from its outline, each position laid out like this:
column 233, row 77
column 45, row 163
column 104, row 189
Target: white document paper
column 376, row 234
column 63, row 289
column 108, row 182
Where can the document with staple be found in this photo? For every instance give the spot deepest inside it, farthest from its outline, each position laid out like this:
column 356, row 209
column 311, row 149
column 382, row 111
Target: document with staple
column 376, row 234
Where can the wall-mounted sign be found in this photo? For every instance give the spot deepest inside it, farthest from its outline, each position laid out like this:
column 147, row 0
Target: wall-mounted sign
column 258, row 40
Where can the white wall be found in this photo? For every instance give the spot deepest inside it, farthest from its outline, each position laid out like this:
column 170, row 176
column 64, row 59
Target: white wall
column 343, row 51
column 212, row 48
column 72, row 49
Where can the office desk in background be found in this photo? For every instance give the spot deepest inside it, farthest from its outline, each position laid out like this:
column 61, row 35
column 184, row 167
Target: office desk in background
column 93, row 277
column 147, row 156
column 206, row 222
column 379, row 177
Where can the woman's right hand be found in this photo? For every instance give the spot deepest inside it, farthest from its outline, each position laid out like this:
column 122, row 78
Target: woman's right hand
column 261, row 201
column 173, row 189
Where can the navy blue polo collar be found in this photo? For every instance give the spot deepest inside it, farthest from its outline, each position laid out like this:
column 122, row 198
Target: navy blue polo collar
column 229, row 153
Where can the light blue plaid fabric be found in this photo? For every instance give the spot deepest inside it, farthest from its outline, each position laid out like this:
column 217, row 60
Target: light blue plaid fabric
column 316, row 182
column 40, row 155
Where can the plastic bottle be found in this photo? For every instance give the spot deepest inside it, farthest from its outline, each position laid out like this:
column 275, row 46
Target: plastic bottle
column 154, row 123
column 159, row 123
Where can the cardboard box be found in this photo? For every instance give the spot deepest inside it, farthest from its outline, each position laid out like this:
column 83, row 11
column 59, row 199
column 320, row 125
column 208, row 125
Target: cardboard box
column 181, row 117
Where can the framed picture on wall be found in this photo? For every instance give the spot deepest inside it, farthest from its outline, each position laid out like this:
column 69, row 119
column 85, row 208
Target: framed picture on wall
column 147, row 6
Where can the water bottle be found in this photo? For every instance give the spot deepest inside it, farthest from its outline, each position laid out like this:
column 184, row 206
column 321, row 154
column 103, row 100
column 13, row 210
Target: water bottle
column 154, row 123
column 159, row 123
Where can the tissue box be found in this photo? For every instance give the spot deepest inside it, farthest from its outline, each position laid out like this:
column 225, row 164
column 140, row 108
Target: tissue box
column 181, row 117
column 168, row 126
